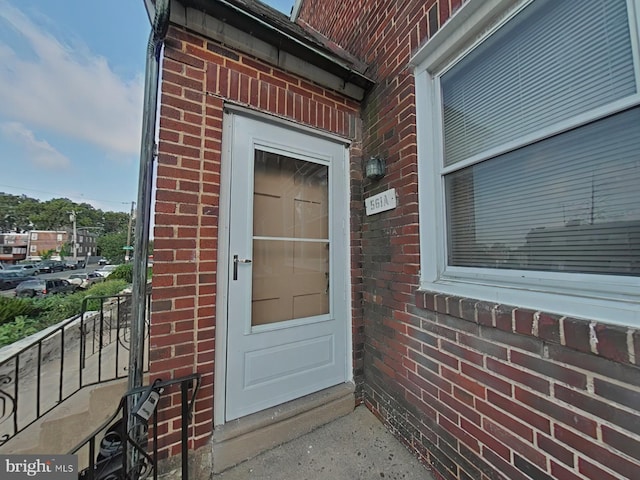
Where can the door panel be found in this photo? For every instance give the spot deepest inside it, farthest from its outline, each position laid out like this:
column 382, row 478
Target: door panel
column 296, row 357
column 288, row 314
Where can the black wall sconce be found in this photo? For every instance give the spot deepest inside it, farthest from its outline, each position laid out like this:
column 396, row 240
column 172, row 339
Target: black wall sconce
column 374, row 169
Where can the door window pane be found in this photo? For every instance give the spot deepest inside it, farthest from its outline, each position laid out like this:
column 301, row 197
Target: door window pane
column 290, row 239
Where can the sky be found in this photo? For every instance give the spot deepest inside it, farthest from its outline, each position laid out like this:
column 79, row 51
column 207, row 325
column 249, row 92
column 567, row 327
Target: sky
column 71, row 88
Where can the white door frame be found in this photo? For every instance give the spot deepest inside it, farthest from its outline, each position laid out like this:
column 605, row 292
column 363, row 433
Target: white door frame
column 223, row 264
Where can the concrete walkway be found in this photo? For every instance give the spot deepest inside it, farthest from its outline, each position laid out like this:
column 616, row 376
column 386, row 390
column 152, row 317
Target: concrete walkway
column 355, row 447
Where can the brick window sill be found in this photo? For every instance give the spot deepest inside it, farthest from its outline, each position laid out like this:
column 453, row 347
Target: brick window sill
column 618, row 343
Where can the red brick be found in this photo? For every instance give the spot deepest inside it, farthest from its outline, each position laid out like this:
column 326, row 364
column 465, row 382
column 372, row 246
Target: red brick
column 462, row 353
column 505, row 467
column 516, row 444
column 459, row 433
column 576, row 334
column 518, row 375
column 621, row 442
column 503, row 317
column 179, row 150
column 487, row 348
column 469, row 385
column 186, row 37
column 484, row 438
column 181, row 80
column 184, row 58
column 553, row 448
column 511, row 424
column 523, row 321
column 593, row 472
column 589, row 403
column 597, row 453
column 612, row 342
column 561, row 473
column 549, row 327
column 159, row 353
column 484, row 313
column 617, row 393
column 550, row 369
column 519, row 411
column 553, row 409
column 486, row 378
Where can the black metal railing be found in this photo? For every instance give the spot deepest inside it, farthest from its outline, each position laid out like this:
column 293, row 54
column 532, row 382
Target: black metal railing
column 125, row 450
column 84, row 350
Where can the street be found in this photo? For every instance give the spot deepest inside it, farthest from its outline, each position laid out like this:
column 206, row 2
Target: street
column 64, row 274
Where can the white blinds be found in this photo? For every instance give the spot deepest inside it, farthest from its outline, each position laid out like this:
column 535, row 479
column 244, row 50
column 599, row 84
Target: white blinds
column 568, row 203
column 554, row 60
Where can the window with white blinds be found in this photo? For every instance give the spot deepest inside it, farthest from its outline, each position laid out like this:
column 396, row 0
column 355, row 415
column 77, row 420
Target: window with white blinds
column 568, row 203
column 553, row 61
column 541, row 161
column 528, row 122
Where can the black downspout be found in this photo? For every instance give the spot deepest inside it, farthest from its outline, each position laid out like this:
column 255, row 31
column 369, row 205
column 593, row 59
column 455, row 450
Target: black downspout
column 145, row 182
column 135, row 428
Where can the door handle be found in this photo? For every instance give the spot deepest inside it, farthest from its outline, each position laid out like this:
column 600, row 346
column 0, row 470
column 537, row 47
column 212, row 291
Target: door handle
column 236, row 261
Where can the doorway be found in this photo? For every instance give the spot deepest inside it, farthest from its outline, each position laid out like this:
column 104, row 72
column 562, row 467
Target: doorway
column 286, row 266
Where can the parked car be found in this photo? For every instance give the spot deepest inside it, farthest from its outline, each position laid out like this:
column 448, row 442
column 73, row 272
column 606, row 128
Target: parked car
column 50, row 266
column 85, row 280
column 9, row 280
column 106, row 270
column 40, row 287
column 27, row 269
column 103, row 261
column 74, row 264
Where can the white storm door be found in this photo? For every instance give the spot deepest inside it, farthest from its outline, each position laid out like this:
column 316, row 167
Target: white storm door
column 288, row 288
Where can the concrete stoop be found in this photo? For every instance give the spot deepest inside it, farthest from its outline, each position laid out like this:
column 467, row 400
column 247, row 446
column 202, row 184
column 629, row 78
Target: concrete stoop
column 242, row 439
column 248, row 437
column 354, row 446
column 70, row 422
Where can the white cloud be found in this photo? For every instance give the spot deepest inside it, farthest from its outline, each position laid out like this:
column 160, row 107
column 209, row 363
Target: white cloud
column 67, row 90
column 39, row 151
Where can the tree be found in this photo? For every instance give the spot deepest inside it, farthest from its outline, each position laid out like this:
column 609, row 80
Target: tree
column 21, row 213
column 53, row 214
column 110, row 246
column 15, row 212
column 115, row 222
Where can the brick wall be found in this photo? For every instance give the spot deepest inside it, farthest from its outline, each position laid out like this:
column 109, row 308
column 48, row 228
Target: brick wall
column 198, row 76
column 476, row 390
column 482, row 390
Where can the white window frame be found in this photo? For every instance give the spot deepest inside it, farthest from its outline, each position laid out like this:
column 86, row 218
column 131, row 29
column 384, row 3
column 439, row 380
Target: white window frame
column 608, row 298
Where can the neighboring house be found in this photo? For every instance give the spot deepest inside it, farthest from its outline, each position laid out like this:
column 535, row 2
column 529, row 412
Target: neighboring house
column 86, row 243
column 42, row 241
column 13, row 247
column 487, row 308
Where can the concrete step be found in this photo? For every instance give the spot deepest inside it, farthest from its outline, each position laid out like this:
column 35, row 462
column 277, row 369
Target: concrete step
column 66, row 431
column 70, row 422
column 242, row 439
